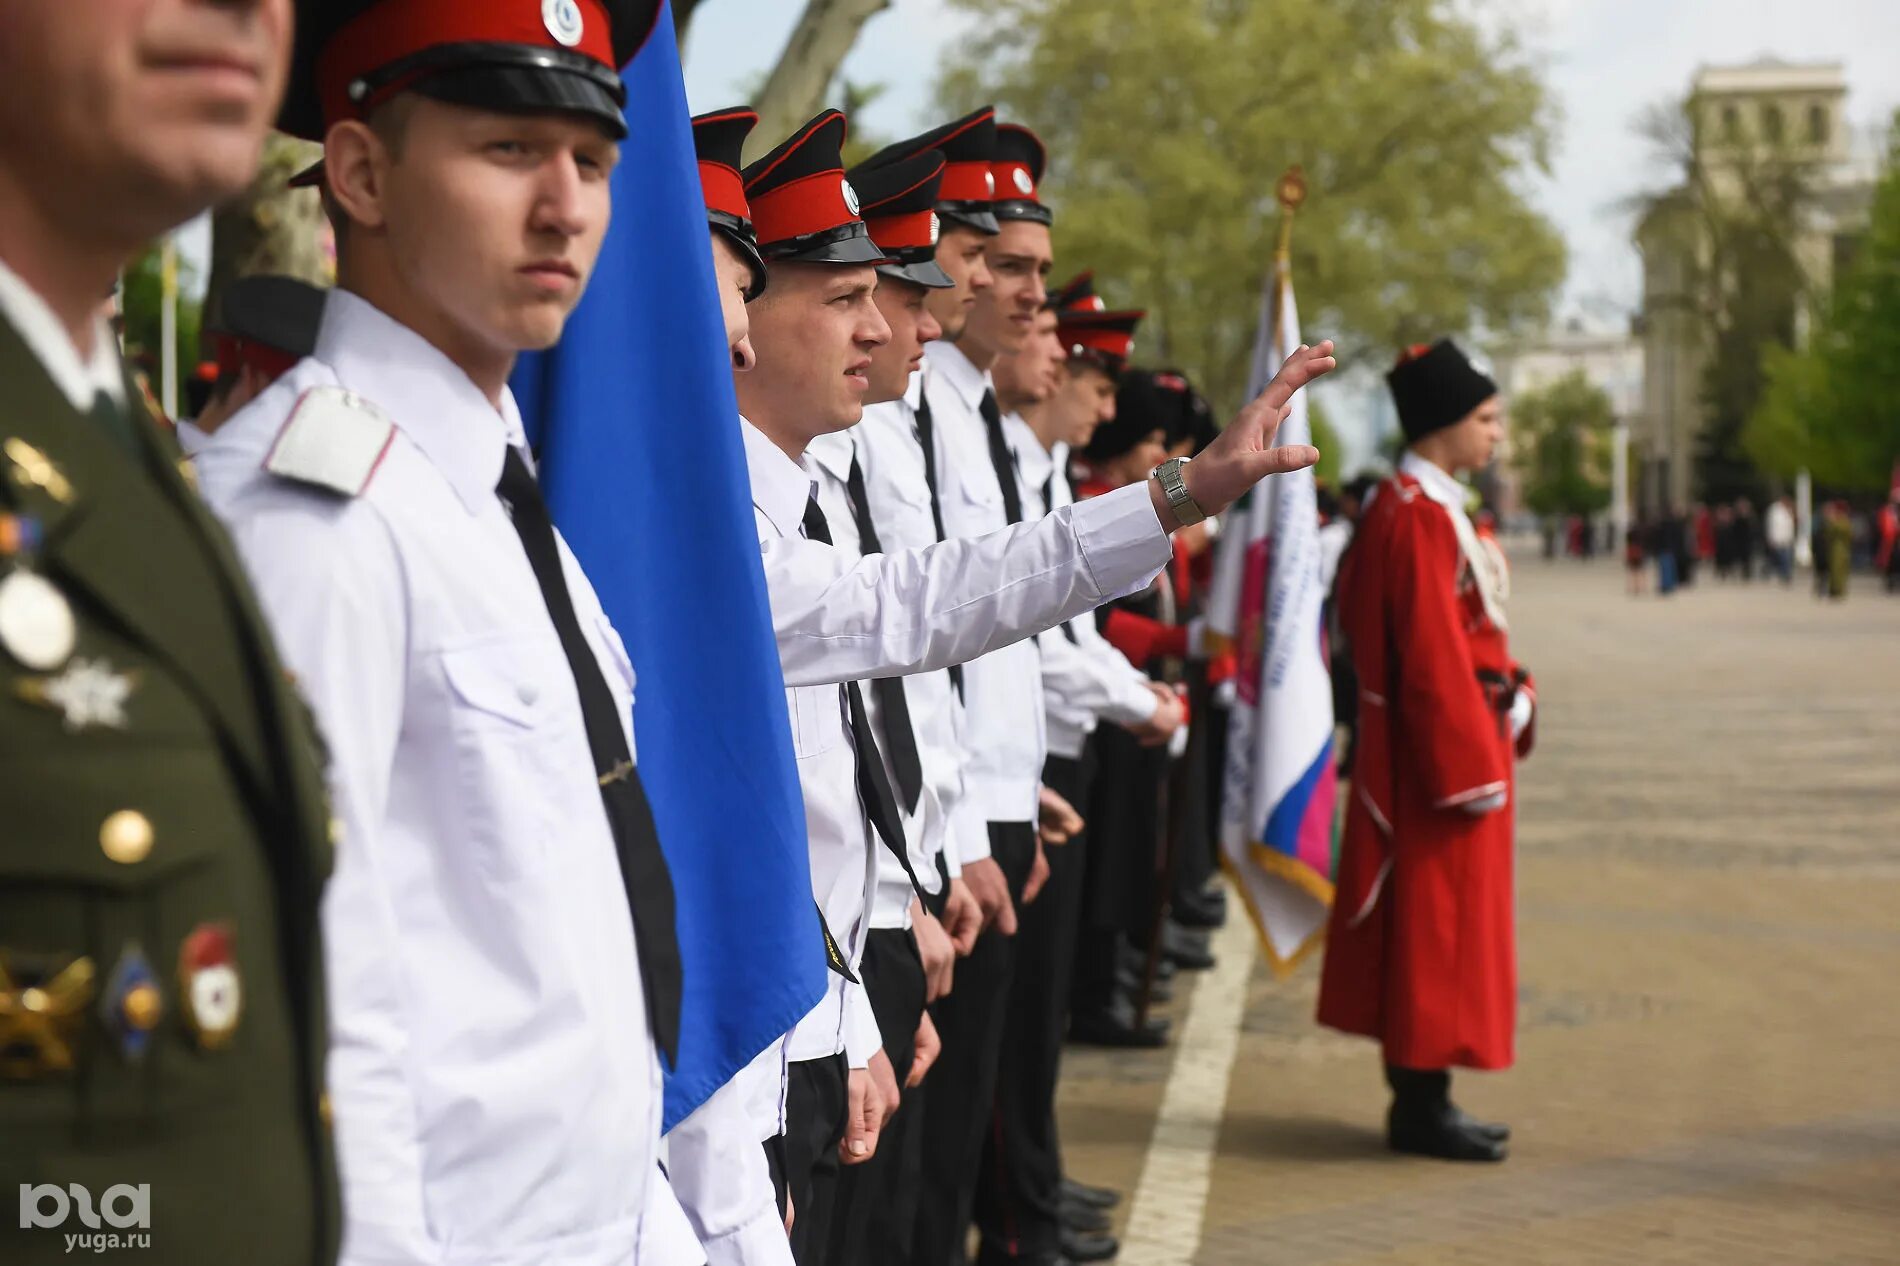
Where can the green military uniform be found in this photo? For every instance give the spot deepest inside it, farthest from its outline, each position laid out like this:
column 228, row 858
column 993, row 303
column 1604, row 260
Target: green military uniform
column 163, row 847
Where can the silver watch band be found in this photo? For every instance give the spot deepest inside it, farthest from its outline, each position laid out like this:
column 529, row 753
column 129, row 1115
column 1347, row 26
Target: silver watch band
column 1185, row 508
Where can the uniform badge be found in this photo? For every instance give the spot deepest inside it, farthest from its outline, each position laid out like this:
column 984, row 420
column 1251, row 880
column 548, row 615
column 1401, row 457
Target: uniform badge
column 42, row 1007
column 936, row 228
column 132, row 1005
column 850, row 196
column 210, row 993
column 36, row 622
column 564, row 21
column 1024, row 185
column 88, row 694
column 33, row 469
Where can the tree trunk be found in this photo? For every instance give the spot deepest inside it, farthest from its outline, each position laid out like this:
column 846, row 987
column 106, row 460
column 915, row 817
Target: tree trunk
column 810, row 61
column 270, row 227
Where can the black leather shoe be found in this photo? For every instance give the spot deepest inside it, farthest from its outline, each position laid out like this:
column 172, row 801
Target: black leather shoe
column 1206, row 909
column 1186, row 948
column 1082, row 1217
column 1080, row 1247
column 1115, row 1026
column 1496, row 1131
column 1439, row 1135
column 1135, row 963
column 1095, row 1197
column 1129, row 982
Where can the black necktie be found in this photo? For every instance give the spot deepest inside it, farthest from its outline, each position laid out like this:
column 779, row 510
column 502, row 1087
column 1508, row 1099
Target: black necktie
column 891, row 700
column 874, row 789
column 115, row 420
column 1048, row 508
column 642, row 865
column 1000, row 457
column 927, row 440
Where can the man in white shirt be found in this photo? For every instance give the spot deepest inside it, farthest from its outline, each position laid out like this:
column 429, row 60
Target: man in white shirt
column 841, row 617
column 504, row 972
column 1048, row 390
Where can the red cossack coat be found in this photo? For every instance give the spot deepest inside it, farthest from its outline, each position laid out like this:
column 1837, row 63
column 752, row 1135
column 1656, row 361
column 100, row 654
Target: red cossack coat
column 1421, row 951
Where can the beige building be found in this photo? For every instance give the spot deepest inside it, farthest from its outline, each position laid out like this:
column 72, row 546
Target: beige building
column 1743, row 118
column 1610, row 359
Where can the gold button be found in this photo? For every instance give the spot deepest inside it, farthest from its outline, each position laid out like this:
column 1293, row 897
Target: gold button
column 35, row 1001
column 336, row 832
column 126, row 837
column 324, row 1114
column 142, row 1008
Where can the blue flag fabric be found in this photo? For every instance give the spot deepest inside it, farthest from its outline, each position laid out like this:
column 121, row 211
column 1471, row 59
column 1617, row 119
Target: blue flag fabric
column 636, row 427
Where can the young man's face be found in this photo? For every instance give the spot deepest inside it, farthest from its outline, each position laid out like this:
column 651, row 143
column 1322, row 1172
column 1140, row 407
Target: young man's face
column 130, row 116
column 959, row 253
column 1029, row 375
column 814, row 329
column 1020, row 258
column 734, row 275
column 1472, row 443
column 492, row 222
column 905, row 308
column 1084, row 401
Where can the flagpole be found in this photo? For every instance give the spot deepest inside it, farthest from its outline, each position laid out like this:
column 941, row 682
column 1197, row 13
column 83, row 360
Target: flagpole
column 1290, row 193
column 168, row 326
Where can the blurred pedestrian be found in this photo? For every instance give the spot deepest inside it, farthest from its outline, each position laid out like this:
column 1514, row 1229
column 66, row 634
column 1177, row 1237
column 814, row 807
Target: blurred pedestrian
column 1636, row 557
column 1835, row 558
column 1778, row 531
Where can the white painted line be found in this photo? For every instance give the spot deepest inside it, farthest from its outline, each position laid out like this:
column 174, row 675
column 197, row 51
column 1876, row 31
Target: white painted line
column 1164, row 1224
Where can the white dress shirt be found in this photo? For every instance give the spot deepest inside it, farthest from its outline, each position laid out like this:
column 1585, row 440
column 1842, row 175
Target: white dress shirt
column 839, row 837
column 493, row 1077
column 79, row 378
column 899, row 492
column 1002, row 694
column 1085, row 680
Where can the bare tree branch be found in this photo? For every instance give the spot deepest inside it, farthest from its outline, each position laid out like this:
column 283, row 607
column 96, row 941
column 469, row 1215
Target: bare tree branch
column 810, row 61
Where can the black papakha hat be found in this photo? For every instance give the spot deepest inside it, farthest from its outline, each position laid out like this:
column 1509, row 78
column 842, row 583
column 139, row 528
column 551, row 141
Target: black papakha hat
column 1435, row 386
column 1146, row 401
column 898, row 203
column 968, row 187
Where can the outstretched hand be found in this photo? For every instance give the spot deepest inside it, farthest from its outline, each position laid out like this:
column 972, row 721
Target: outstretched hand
column 1244, row 454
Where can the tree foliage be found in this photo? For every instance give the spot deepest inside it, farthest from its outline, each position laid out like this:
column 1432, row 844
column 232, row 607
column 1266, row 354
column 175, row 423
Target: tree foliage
column 1834, row 407
column 1737, row 214
column 143, row 305
column 1561, row 436
column 1169, row 122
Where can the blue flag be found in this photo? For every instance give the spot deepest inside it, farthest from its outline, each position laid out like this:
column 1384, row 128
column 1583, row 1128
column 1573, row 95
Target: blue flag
column 637, row 431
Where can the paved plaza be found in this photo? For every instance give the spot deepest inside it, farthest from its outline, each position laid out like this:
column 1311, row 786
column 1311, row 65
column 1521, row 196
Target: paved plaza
column 1709, row 1055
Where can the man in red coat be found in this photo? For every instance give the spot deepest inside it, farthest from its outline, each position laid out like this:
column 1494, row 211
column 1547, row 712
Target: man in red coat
column 1421, row 952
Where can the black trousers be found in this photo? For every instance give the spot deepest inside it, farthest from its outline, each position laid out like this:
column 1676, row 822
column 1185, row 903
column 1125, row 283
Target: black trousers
column 963, row 1084
column 876, row 1207
column 1018, row 1198
column 804, row 1160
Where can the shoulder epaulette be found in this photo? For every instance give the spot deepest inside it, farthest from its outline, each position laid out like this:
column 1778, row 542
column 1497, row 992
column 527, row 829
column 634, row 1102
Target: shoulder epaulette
column 333, row 439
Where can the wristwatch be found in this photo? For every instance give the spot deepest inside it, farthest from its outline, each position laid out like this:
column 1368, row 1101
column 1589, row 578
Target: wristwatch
column 1185, row 508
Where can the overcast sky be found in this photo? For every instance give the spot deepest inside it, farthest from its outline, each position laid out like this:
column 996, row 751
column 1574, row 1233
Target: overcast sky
column 1607, row 59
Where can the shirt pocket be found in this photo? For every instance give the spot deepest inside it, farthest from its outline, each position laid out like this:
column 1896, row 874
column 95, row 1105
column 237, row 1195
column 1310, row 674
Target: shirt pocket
column 817, row 720
column 513, row 725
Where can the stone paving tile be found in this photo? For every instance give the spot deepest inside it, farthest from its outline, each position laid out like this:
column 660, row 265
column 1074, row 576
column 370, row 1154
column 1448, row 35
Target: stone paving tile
column 1709, row 1055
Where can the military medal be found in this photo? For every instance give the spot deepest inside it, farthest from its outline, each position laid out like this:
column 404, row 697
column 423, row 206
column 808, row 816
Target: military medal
column 210, row 992
column 36, row 622
column 88, row 694
column 131, row 1005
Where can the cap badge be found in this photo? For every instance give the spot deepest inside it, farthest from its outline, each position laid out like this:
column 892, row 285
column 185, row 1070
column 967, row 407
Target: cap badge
column 850, row 196
column 564, row 21
column 989, row 183
column 1024, row 185
column 936, row 228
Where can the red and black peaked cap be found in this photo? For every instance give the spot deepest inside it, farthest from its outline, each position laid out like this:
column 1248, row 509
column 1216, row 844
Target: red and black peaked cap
column 515, row 56
column 898, row 202
column 1017, row 169
column 267, row 323
column 967, row 145
column 717, row 139
column 803, row 208
column 1088, row 330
